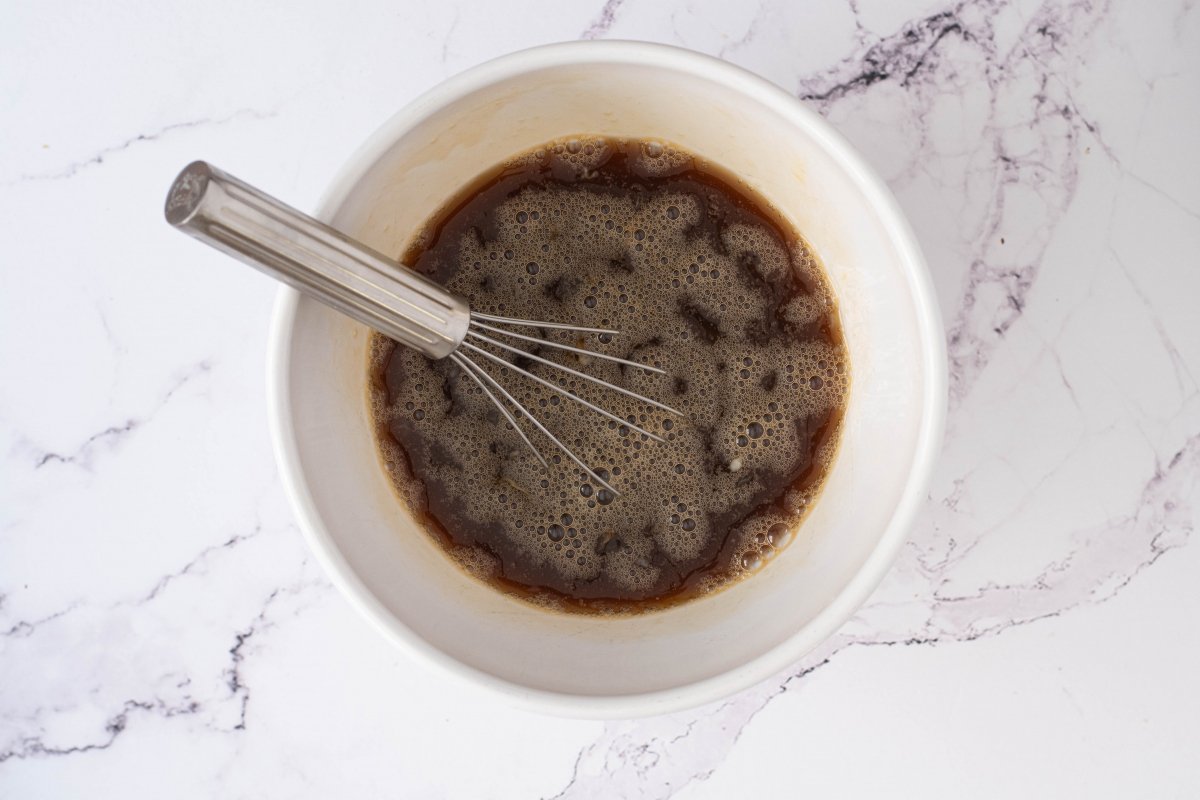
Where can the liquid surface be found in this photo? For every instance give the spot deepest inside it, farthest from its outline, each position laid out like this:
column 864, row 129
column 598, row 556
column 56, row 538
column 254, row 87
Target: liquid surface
column 703, row 280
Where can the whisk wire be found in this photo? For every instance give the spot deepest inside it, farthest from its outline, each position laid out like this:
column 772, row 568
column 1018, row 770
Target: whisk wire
column 537, row 423
column 533, row 323
column 577, row 350
column 583, row 375
column 550, row 385
column 468, row 366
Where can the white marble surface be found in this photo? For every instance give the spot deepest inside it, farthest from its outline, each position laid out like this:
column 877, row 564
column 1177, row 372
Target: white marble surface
column 164, row 631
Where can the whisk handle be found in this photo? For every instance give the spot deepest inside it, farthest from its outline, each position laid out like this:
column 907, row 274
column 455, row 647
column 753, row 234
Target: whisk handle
column 315, row 259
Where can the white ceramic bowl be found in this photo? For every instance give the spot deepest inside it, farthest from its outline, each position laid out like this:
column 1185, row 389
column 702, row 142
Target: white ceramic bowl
column 706, row 649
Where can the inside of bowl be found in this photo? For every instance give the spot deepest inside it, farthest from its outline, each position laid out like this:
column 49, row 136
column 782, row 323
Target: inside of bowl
column 411, row 587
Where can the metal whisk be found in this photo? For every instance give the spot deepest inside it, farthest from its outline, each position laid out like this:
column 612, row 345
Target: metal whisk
column 312, row 257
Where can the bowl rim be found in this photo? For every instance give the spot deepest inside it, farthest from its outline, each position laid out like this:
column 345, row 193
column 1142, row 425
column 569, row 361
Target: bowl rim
column 931, row 342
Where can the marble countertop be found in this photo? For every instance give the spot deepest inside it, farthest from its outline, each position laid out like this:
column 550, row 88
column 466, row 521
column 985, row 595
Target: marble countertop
column 164, row 631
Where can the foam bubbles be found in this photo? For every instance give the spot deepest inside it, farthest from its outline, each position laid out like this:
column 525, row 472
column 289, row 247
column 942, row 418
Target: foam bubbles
column 707, row 297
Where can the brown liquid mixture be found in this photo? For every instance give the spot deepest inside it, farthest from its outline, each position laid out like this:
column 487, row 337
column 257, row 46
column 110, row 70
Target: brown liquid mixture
column 702, row 279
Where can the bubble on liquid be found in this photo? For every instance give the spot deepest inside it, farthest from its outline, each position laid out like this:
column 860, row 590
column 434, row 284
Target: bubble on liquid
column 779, row 535
column 751, row 561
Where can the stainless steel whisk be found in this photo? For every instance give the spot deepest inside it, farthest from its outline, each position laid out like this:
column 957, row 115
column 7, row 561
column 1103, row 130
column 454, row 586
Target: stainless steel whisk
column 315, row 259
